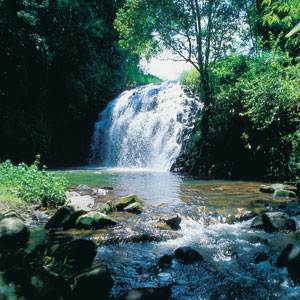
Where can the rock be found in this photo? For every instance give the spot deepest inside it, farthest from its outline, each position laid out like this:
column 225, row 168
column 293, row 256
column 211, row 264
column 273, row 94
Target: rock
column 82, row 201
column 266, row 189
column 11, row 213
column 280, row 186
column 108, row 207
column 84, row 188
column 292, row 207
column 13, row 232
column 66, row 216
column 94, row 220
column 37, row 284
column 187, row 255
column 72, row 194
column 273, row 221
column 95, row 281
column 159, row 293
column 173, row 221
column 165, row 260
column 284, row 194
column 79, row 254
column 99, row 191
column 240, row 215
column 290, row 258
column 162, row 226
column 135, row 208
column 128, row 200
column 260, row 257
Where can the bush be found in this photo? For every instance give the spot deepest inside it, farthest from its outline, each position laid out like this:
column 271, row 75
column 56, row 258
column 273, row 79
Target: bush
column 32, row 185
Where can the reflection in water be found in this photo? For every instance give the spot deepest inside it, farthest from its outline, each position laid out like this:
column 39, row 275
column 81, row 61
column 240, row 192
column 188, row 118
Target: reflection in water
column 229, row 270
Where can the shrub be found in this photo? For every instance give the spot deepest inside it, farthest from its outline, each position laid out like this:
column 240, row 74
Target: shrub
column 33, row 185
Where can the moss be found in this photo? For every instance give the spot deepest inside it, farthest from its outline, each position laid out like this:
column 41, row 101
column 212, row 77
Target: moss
column 128, row 200
column 285, row 194
column 135, row 208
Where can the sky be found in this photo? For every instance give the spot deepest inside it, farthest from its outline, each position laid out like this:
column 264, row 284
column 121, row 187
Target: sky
column 165, row 69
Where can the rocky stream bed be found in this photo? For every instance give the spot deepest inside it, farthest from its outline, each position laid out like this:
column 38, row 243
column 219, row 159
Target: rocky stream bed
column 100, row 247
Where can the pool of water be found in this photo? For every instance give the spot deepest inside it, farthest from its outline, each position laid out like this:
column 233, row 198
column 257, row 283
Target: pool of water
column 228, row 271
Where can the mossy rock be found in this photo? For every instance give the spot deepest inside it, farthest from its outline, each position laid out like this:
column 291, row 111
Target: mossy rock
column 123, row 202
column 266, row 189
column 94, row 220
column 108, row 207
column 135, row 208
column 284, row 194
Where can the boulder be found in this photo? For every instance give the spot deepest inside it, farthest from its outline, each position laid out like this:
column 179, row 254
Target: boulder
column 290, row 258
column 78, row 254
column 135, row 208
column 266, row 189
column 284, row 194
column 108, row 207
column 94, row 220
column 81, row 200
column 150, row 293
column 13, row 232
column 94, row 281
column 82, row 188
column 173, row 221
column 165, row 260
column 125, row 201
column 66, row 216
column 292, row 207
column 70, row 194
column 240, row 215
column 187, row 255
column 273, row 221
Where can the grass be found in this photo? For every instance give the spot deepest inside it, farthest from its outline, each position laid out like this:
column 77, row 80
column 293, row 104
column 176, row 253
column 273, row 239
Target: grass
column 9, row 199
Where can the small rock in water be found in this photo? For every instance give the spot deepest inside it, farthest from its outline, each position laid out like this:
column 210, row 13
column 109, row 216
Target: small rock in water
column 273, row 221
column 284, row 194
column 260, row 257
column 165, row 260
column 82, row 200
column 187, row 255
column 135, row 208
column 94, row 220
column 173, row 221
column 99, row 191
column 108, row 207
column 94, row 281
column 125, row 201
column 266, row 189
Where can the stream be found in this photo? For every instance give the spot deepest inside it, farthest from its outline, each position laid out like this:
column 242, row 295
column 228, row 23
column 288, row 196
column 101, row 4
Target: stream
column 230, row 269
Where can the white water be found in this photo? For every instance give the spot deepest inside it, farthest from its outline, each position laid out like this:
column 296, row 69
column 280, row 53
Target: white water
column 144, row 127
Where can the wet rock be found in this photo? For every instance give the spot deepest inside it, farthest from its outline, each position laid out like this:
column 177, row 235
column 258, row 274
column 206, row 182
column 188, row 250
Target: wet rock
column 284, row 194
column 79, row 254
column 187, row 255
column 82, row 201
column 163, row 226
column 260, row 257
column 135, row 208
column 38, row 284
column 292, row 207
column 273, row 221
column 70, row 194
column 99, row 191
column 94, row 281
column 206, row 217
column 165, row 260
column 13, row 232
column 94, row 220
column 11, row 213
column 173, row 221
column 108, row 207
column 161, row 293
column 66, row 216
column 127, row 201
column 240, row 215
column 82, row 188
column 290, row 258
column 266, row 189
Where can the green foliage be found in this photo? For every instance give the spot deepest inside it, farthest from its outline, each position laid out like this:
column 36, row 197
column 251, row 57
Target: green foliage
column 7, row 291
column 254, row 116
column 33, row 185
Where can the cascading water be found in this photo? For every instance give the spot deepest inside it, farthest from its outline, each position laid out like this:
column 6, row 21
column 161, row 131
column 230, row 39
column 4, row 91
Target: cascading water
column 144, row 127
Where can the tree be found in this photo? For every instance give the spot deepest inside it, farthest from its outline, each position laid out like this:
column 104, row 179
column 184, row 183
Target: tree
column 195, row 31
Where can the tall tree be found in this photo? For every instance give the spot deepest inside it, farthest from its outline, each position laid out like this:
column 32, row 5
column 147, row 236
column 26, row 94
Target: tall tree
column 195, row 31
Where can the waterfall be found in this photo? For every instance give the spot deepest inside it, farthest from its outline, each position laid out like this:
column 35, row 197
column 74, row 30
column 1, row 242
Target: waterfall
column 144, row 127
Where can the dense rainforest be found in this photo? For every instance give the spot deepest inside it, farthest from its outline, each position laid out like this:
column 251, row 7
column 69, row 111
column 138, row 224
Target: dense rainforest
column 60, row 65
